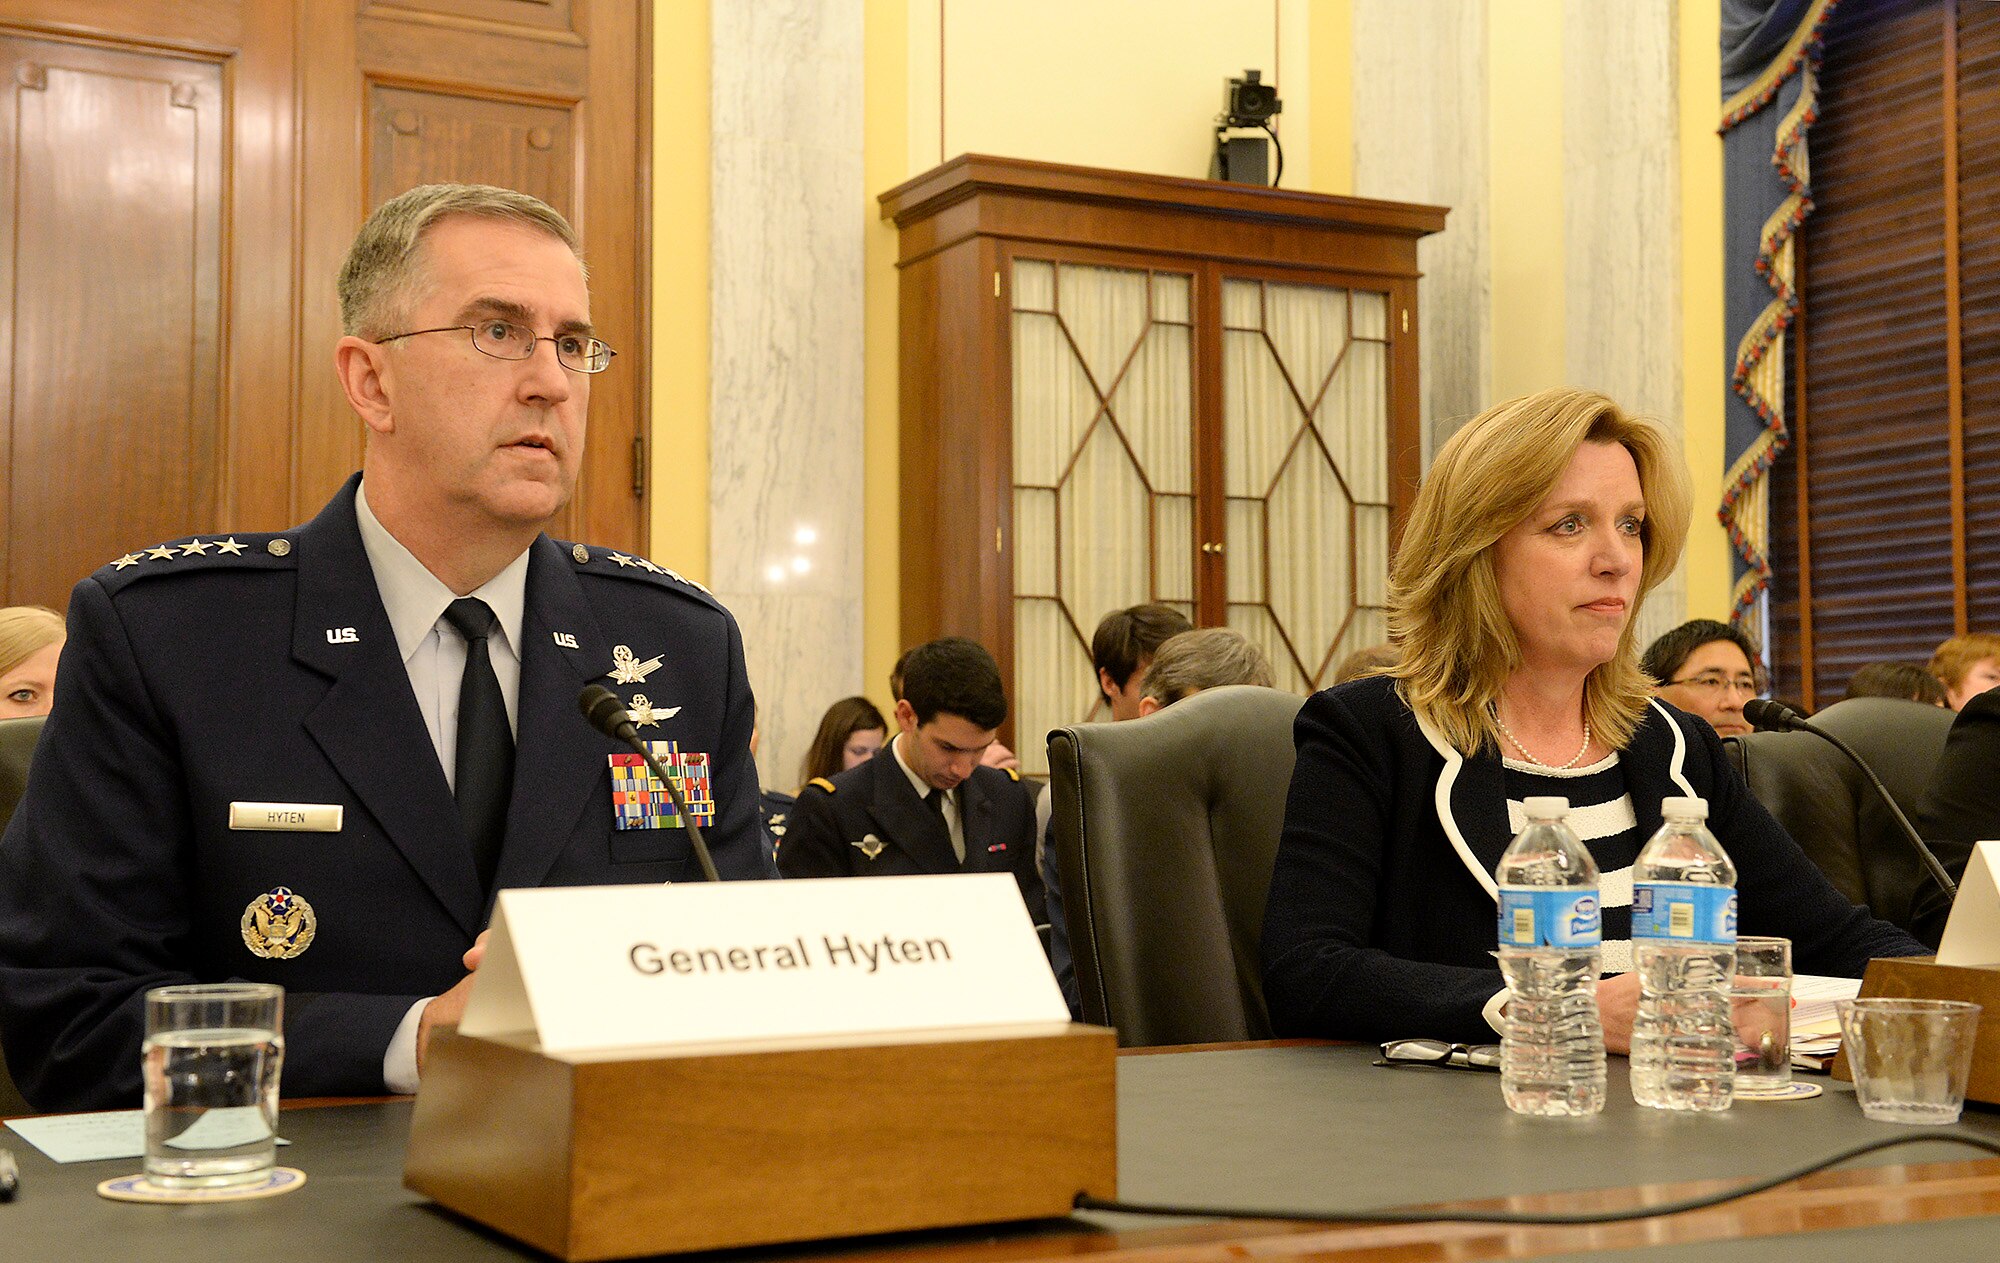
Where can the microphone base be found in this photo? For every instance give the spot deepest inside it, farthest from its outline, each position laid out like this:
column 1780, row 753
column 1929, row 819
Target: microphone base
column 664, row 1151
column 1922, row 978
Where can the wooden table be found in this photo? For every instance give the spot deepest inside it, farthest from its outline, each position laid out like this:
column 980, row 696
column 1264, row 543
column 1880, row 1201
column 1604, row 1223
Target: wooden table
column 1260, row 1125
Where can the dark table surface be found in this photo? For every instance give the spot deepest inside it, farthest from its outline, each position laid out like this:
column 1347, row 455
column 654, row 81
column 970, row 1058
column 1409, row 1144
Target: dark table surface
column 1270, row 1128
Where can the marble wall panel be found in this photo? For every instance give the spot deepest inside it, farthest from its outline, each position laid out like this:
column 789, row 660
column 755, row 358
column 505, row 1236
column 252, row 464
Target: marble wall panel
column 1621, row 207
column 1420, row 135
column 786, row 254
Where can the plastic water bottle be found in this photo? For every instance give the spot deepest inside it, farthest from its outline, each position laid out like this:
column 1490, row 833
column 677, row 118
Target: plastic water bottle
column 1552, row 1047
column 1684, row 946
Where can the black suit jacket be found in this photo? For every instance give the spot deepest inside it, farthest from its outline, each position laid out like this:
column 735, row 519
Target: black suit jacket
column 1380, row 921
column 874, row 808
column 1960, row 806
column 268, row 672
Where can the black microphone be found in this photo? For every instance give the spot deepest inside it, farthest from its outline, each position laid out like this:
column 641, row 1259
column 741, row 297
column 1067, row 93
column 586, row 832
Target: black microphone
column 1770, row 715
column 607, row 714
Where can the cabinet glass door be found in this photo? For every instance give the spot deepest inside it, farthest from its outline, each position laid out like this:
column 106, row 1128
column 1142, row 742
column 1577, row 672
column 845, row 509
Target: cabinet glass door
column 1103, row 480
column 1306, row 472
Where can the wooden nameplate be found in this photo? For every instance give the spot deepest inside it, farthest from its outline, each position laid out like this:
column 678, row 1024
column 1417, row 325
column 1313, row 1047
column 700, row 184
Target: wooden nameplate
column 1922, row 978
column 662, row 1151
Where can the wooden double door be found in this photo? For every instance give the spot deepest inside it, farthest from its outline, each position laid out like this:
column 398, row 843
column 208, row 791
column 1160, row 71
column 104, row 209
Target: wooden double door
column 178, row 185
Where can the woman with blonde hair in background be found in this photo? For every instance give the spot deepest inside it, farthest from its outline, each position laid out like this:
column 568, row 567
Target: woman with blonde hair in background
column 1538, row 532
column 31, row 639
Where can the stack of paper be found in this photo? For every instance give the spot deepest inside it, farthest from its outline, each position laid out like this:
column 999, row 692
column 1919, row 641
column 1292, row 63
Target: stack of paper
column 1815, row 1026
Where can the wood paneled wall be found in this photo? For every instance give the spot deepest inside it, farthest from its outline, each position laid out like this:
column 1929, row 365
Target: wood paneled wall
column 180, row 184
column 1886, row 509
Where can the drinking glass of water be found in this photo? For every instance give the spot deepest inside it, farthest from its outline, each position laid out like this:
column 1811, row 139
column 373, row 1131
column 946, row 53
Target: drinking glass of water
column 1760, row 999
column 210, row 1064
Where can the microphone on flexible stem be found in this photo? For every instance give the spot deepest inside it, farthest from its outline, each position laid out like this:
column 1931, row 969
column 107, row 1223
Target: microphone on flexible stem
column 1770, row 715
column 607, row 714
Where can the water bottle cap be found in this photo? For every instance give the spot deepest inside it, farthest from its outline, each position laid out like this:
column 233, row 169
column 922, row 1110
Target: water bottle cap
column 1545, row 808
column 1684, row 808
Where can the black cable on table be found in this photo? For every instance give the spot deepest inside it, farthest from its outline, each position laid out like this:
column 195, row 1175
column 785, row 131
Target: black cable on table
column 1086, row 1202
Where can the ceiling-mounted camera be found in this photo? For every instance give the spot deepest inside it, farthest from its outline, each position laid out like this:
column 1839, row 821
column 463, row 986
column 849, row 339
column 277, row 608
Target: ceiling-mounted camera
column 1247, row 103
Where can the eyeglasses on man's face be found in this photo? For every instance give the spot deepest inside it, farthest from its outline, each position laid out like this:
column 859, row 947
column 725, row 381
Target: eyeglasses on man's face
column 1441, row 1054
column 505, row 340
column 1715, row 683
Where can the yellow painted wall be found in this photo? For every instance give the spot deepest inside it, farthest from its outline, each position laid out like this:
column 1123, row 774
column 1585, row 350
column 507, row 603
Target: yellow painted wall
column 885, row 142
column 1524, row 58
column 1131, row 84
column 679, row 464
column 1702, row 336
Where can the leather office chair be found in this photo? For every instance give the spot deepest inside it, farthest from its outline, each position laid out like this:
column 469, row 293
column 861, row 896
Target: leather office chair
column 1166, row 830
column 1829, row 808
column 17, row 749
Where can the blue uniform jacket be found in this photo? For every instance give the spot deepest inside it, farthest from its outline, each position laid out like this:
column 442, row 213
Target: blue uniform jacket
column 266, row 671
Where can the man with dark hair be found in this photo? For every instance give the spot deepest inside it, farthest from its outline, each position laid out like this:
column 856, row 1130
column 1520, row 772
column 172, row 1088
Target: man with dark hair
column 927, row 804
column 1709, row 670
column 1123, row 648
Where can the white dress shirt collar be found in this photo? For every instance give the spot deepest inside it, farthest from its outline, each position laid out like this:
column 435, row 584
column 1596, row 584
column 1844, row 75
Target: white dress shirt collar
column 415, row 599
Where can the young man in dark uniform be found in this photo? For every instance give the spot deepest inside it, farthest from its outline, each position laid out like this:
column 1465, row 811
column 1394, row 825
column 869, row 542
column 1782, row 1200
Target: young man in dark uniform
column 925, row 805
column 313, row 757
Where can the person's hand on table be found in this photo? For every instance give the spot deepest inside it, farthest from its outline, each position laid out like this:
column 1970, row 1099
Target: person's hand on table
column 449, row 1007
column 1617, row 1005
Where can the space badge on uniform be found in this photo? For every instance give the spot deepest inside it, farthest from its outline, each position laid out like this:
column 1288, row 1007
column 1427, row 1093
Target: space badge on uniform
column 639, row 801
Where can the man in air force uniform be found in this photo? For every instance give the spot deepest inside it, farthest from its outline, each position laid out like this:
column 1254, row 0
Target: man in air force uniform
column 925, row 804
column 311, row 758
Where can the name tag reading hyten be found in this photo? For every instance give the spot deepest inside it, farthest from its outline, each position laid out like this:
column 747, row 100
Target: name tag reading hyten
column 287, row 817
column 609, row 967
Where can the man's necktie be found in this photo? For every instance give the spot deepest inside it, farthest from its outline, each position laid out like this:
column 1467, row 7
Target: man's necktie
column 484, row 768
column 935, row 800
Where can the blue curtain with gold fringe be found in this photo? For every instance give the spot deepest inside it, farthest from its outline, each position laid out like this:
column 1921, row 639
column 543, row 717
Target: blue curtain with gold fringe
column 1770, row 73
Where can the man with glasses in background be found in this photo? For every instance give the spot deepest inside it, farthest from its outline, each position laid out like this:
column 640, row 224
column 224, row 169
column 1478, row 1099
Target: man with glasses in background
column 313, row 757
column 1707, row 669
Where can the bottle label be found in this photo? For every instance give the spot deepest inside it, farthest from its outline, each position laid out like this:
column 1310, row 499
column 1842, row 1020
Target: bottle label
column 1683, row 912
column 1549, row 916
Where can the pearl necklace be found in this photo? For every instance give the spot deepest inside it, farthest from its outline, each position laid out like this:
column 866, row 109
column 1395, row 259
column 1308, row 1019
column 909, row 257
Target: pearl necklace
column 1515, row 741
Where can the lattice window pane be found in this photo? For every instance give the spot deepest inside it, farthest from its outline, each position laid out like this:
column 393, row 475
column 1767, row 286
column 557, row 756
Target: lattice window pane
column 1308, row 518
column 1034, row 542
column 1053, row 681
column 1243, row 540
column 1154, row 409
column 1034, row 285
column 1052, row 393
column 1104, row 523
column 1105, row 311
column 1261, row 630
column 1173, row 557
column 1095, row 527
column 1172, row 298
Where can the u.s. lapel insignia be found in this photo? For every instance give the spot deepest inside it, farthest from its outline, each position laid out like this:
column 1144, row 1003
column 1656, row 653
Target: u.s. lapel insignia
column 627, row 669
column 644, row 712
column 278, row 925
column 870, row 846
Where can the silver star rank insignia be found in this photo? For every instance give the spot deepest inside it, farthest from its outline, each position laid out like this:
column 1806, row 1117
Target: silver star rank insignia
column 161, row 551
column 129, row 559
column 623, row 560
column 644, row 712
column 626, row 669
column 194, row 548
column 229, row 546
